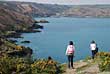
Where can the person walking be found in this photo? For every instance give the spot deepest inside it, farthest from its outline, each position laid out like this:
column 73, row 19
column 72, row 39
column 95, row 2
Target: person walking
column 93, row 47
column 70, row 53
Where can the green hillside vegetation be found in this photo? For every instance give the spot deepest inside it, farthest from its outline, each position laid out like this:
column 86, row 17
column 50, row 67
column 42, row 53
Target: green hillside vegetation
column 9, row 65
column 104, row 61
column 11, row 49
column 17, row 59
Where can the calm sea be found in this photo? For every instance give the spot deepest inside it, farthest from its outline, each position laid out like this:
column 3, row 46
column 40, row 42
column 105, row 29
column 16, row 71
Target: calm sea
column 55, row 36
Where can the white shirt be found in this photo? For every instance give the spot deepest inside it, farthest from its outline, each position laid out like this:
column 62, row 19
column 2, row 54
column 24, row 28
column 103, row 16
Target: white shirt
column 93, row 46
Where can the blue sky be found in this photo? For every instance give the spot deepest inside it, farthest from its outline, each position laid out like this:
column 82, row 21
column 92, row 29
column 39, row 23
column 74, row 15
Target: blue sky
column 73, row 2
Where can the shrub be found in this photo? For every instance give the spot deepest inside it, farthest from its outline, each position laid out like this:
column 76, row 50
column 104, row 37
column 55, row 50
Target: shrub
column 104, row 64
column 44, row 66
column 18, row 48
column 8, row 65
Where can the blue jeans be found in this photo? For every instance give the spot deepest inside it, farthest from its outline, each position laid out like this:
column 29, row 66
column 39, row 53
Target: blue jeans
column 70, row 61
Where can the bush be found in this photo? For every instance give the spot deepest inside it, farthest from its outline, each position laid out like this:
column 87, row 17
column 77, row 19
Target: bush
column 44, row 66
column 8, row 65
column 104, row 64
column 18, row 48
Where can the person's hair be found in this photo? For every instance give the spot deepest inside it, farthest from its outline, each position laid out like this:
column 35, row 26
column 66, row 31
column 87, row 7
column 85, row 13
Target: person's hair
column 49, row 58
column 71, row 43
column 92, row 41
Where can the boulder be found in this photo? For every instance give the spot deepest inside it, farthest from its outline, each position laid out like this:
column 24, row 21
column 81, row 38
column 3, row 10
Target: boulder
column 25, row 41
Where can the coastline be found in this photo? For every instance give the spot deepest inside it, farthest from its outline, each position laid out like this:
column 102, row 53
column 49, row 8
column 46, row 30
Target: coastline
column 17, row 59
column 17, row 34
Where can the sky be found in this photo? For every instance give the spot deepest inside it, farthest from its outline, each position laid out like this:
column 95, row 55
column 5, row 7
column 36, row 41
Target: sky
column 68, row 2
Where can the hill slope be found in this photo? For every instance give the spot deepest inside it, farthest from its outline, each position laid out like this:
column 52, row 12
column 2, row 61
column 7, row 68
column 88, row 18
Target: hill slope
column 12, row 20
column 48, row 10
column 88, row 11
column 36, row 9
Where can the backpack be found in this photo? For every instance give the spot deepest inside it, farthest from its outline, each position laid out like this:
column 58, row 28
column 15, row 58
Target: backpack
column 96, row 50
column 70, row 49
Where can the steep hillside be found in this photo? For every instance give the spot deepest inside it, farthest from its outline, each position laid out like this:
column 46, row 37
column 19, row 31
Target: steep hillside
column 88, row 11
column 35, row 9
column 13, row 20
column 48, row 10
column 12, row 23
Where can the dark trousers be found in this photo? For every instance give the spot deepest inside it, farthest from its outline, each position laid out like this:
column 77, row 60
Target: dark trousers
column 93, row 53
column 70, row 61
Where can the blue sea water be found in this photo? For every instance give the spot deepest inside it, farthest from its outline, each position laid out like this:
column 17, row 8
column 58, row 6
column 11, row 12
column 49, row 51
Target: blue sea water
column 55, row 36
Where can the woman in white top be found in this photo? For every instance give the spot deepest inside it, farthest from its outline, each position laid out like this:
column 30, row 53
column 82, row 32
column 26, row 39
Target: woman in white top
column 93, row 46
column 70, row 53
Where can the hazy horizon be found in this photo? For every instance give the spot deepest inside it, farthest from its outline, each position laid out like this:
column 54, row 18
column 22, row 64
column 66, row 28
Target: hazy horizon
column 66, row 2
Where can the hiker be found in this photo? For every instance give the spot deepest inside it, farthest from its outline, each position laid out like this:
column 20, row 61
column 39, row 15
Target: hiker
column 70, row 54
column 94, row 48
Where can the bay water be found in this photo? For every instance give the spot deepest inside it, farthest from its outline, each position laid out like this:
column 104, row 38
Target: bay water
column 55, row 37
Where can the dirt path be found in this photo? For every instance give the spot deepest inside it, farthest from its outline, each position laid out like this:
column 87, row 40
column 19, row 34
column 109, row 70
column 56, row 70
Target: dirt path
column 82, row 67
column 93, row 69
column 76, row 66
